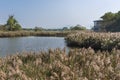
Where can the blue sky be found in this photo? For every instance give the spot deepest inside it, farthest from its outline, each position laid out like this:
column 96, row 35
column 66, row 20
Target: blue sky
column 56, row 13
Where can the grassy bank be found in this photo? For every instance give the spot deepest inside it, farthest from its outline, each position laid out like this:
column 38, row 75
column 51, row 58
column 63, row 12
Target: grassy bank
column 98, row 41
column 78, row 64
column 33, row 33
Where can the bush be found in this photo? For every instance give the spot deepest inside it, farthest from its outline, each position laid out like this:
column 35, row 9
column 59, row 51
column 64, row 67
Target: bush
column 78, row 27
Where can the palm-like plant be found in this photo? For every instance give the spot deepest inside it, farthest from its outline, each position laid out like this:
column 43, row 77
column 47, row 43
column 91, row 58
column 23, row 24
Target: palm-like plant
column 12, row 24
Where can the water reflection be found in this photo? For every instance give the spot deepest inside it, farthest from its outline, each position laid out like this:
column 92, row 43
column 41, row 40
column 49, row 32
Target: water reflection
column 12, row 45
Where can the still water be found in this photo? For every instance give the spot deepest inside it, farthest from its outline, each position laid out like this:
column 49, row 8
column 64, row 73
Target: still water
column 10, row 46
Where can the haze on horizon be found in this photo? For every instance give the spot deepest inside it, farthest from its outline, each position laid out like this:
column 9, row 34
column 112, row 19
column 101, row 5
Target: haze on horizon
column 56, row 13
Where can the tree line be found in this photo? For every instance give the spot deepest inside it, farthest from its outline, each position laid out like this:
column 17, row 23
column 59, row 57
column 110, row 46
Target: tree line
column 111, row 22
column 13, row 25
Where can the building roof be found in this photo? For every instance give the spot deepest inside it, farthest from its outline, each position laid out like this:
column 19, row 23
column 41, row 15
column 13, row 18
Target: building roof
column 98, row 21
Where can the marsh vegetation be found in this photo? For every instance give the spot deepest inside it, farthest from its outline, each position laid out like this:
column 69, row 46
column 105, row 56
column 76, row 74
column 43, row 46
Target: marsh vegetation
column 97, row 41
column 77, row 64
column 83, row 63
column 33, row 33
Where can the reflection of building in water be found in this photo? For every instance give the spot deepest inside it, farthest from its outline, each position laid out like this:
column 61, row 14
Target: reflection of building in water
column 98, row 24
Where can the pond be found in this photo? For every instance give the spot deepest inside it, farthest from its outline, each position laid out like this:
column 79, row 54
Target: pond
column 10, row 46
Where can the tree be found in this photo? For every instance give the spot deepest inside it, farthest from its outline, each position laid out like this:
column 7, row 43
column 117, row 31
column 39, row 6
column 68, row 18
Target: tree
column 38, row 28
column 12, row 24
column 108, row 16
column 65, row 28
column 78, row 27
column 111, row 22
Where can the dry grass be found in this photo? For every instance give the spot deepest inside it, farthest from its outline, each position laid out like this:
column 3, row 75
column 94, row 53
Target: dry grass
column 78, row 64
column 33, row 33
column 98, row 41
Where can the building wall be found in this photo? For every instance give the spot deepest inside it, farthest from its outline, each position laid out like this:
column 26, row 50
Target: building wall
column 97, row 25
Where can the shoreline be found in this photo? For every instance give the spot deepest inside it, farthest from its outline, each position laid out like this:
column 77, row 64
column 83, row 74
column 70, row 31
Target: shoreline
column 4, row 34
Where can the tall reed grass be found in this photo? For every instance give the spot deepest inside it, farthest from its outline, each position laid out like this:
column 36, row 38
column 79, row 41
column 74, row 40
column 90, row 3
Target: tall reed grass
column 77, row 64
column 98, row 41
column 33, row 33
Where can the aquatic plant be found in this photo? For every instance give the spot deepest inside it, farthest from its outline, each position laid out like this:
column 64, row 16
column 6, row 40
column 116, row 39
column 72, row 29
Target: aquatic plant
column 77, row 64
column 33, row 33
column 97, row 41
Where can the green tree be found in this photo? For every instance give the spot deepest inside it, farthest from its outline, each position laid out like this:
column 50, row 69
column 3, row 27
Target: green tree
column 111, row 22
column 78, row 27
column 108, row 16
column 65, row 28
column 38, row 28
column 12, row 24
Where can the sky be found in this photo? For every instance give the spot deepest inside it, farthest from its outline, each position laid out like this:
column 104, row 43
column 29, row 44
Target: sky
column 56, row 13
